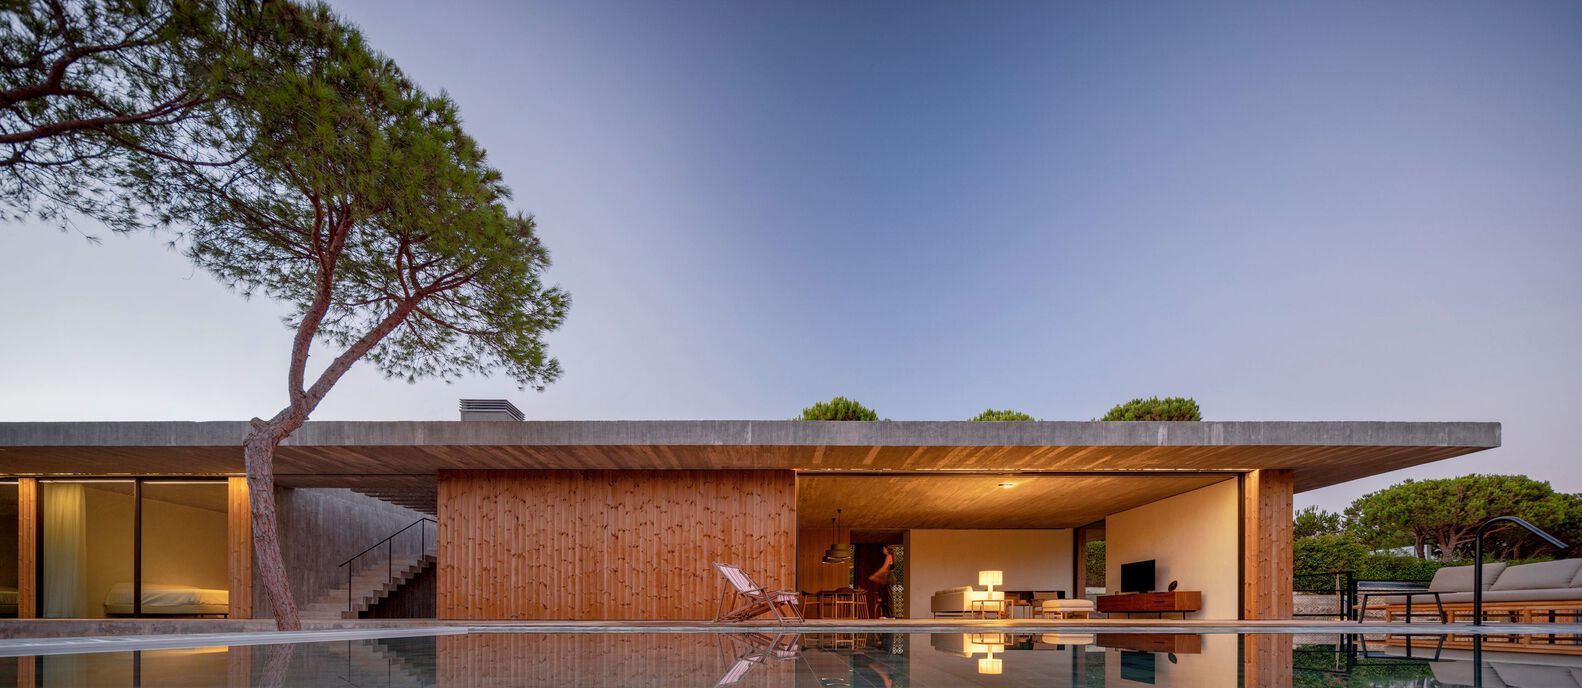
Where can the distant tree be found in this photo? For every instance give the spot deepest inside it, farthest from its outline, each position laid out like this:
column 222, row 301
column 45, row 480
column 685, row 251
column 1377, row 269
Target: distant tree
column 839, row 408
column 84, row 84
column 363, row 205
column 1154, row 408
column 1314, row 521
column 1442, row 516
column 1005, row 415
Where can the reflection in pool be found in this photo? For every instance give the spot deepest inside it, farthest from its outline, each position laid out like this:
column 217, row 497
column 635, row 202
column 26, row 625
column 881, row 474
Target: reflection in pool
column 867, row 660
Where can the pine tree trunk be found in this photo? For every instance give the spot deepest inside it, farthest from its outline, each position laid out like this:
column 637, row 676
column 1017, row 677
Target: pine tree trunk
column 258, row 455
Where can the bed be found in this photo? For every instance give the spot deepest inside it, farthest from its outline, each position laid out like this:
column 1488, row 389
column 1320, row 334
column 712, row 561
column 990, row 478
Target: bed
column 7, row 601
column 160, row 599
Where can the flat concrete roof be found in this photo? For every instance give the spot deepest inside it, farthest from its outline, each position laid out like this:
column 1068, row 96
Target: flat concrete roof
column 1321, row 453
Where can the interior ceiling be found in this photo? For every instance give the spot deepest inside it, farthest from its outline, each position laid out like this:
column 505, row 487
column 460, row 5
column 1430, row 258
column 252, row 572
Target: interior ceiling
column 978, row 501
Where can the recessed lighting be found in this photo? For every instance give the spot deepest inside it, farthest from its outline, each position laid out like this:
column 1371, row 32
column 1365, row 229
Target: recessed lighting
column 1007, row 485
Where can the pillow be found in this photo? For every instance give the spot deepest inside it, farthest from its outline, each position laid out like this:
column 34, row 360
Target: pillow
column 1459, row 578
column 1544, row 574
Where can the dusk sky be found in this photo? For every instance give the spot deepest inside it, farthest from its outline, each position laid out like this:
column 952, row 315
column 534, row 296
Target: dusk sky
column 1314, row 211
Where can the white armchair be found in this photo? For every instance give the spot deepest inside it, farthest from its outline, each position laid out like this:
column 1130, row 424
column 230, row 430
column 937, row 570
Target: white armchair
column 958, row 601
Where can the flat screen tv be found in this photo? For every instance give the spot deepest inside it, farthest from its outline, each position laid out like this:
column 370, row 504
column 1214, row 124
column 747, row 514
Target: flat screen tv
column 1137, row 576
column 1138, row 666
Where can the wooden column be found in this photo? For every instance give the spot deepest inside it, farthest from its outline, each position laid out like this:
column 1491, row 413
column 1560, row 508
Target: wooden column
column 239, row 548
column 1266, row 660
column 27, row 548
column 1266, row 544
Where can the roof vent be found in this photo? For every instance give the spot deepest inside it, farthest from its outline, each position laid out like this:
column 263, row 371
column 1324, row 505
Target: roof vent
column 489, row 409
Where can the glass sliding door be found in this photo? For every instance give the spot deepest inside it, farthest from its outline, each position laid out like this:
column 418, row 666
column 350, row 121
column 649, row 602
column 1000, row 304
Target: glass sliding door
column 133, row 547
column 86, row 546
column 10, row 521
column 183, row 548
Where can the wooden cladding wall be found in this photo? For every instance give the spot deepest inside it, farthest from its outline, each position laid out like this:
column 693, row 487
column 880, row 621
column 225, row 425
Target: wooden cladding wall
column 569, row 544
column 812, row 574
column 1267, row 555
column 27, row 548
column 630, row 660
column 239, row 548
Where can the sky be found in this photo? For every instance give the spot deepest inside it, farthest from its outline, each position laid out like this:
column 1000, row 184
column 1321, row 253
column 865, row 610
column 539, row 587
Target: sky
column 1288, row 211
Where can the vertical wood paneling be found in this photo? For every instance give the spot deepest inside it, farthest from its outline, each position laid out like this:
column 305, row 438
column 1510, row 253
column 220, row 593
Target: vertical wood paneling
column 1267, row 563
column 239, row 547
column 1266, row 659
column 812, row 574
column 27, row 548
column 562, row 544
column 599, row 659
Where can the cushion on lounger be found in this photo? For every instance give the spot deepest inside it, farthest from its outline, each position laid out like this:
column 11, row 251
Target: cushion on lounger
column 1540, row 594
column 1544, row 574
column 1532, row 675
column 1459, row 673
column 1459, row 578
column 1068, row 605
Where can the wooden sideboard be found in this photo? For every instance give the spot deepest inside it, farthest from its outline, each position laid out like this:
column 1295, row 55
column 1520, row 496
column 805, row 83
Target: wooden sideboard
column 1179, row 643
column 1178, row 602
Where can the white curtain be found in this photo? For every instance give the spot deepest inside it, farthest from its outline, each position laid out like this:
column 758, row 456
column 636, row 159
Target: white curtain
column 65, row 550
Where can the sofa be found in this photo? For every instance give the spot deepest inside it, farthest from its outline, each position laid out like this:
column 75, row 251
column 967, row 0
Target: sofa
column 958, row 601
column 1541, row 591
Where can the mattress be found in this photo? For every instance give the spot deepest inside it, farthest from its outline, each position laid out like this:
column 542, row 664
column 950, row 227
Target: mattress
column 161, row 598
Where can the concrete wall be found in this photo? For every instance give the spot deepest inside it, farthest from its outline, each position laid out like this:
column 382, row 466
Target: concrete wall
column 322, row 527
column 941, row 559
column 1192, row 537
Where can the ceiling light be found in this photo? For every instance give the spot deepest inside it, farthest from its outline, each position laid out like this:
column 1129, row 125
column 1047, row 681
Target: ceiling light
column 1007, row 485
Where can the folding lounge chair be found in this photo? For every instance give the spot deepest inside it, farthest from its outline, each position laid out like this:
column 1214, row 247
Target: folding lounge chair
column 742, row 599
column 750, row 650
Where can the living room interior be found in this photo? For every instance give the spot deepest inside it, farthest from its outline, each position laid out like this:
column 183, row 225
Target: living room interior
column 1020, row 545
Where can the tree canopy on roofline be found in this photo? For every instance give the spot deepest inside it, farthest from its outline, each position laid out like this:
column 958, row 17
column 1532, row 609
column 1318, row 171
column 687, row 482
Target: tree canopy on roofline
column 1154, row 408
column 1005, row 415
column 839, row 408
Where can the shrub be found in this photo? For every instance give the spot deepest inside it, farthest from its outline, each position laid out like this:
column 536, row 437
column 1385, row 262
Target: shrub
column 1007, row 414
column 1093, row 561
column 1325, row 553
column 1154, row 408
column 1400, row 568
column 839, row 408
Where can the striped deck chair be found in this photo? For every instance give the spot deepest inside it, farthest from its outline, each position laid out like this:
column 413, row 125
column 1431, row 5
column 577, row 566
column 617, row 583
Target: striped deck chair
column 742, row 599
column 754, row 649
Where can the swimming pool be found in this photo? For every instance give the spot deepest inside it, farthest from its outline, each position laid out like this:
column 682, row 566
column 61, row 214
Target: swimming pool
column 856, row 659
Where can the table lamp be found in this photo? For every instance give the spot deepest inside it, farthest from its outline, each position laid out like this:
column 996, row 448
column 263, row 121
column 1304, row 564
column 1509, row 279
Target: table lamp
column 989, row 579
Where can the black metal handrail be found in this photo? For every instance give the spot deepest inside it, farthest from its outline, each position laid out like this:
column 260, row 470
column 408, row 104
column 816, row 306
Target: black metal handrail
column 1477, row 559
column 389, row 545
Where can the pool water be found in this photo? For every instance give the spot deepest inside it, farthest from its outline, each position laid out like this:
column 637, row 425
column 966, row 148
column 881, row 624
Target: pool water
column 876, row 660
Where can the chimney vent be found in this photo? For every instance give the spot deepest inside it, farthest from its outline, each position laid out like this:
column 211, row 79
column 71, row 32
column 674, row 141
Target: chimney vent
column 489, row 409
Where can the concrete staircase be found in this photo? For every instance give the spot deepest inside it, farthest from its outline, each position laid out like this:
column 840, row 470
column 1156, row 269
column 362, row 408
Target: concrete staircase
column 369, row 587
column 385, row 662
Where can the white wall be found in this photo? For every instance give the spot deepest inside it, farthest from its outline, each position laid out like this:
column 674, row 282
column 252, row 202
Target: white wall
column 1192, row 538
column 941, row 559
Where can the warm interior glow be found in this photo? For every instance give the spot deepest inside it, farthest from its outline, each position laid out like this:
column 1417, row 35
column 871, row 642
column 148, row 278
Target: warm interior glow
column 989, row 579
column 989, row 665
column 1007, row 485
